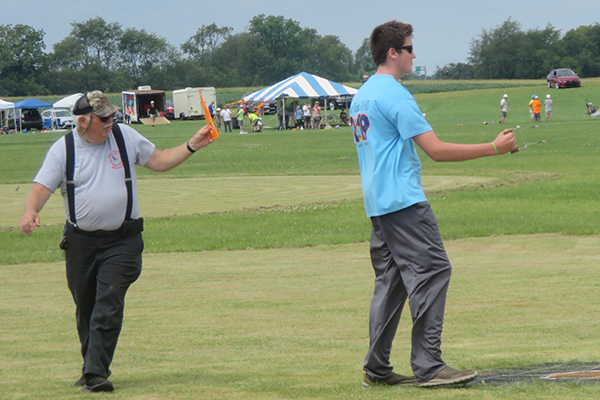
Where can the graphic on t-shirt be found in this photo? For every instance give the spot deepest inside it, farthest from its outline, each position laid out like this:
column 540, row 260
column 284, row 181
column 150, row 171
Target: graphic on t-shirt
column 115, row 159
column 360, row 127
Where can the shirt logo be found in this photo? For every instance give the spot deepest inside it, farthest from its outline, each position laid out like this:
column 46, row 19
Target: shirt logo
column 115, row 159
column 360, row 127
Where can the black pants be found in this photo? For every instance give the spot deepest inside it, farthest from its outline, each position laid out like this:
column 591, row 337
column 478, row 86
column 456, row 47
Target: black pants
column 99, row 272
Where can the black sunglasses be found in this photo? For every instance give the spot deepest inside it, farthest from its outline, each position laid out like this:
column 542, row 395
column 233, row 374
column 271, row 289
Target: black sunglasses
column 103, row 119
column 408, row 48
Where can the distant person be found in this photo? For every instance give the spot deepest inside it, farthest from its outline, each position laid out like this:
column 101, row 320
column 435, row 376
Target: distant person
column 536, row 107
column 316, row 116
column 241, row 115
column 548, row 108
column 152, row 112
column 217, row 117
column 407, row 251
column 344, row 116
column 284, row 119
column 102, row 237
column 298, row 115
column 306, row 114
column 531, row 107
column 254, row 121
column 211, row 108
column 226, row 116
column 503, row 107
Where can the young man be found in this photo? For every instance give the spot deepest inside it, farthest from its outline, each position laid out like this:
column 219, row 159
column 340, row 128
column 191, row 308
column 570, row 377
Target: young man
column 407, row 252
column 103, row 246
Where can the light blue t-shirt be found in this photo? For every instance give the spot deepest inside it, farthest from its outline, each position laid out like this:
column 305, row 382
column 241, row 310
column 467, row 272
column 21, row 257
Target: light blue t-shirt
column 385, row 117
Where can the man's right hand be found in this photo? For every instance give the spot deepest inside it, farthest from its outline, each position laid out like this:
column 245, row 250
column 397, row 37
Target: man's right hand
column 505, row 142
column 36, row 199
column 29, row 222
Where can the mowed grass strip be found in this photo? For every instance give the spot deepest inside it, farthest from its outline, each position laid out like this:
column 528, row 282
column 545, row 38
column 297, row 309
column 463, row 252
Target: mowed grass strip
column 293, row 323
column 187, row 196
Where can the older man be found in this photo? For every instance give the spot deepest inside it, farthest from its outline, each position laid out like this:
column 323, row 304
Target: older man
column 94, row 167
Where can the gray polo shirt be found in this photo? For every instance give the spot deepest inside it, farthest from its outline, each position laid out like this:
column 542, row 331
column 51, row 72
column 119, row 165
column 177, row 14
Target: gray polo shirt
column 100, row 191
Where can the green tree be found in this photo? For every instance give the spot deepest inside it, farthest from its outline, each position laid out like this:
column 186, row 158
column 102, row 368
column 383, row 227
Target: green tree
column 23, row 62
column 498, row 54
column 99, row 41
column 141, row 51
column 276, row 41
column 580, row 50
column 207, row 39
column 333, row 59
column 363, row 61
column 455, row 71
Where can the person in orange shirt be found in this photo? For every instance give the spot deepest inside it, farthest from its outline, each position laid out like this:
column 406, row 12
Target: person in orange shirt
column 536, row 107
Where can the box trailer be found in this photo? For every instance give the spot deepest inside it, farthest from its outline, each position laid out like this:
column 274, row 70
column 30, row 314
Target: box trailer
column 186, row 102
column 137, row 102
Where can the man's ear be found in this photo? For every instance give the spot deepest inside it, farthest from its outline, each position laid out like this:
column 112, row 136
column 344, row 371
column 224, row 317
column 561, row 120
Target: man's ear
column 83, row 121
column 391, row 53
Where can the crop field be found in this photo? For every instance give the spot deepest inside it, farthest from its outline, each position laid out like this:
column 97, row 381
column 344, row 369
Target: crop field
column 257, row 278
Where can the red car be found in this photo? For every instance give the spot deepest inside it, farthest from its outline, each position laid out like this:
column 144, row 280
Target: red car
column 563, row 78
column 169, row 109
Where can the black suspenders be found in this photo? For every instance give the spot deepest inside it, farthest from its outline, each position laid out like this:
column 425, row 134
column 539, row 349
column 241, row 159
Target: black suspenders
column 70, row 143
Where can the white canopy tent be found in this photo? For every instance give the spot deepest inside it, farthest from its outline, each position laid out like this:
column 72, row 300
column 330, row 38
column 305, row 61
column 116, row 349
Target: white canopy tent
column 7, row 105
column 302, row 86
column 67, row 102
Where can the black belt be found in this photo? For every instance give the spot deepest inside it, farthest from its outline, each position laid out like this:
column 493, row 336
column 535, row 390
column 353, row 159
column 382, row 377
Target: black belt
column 100, row 233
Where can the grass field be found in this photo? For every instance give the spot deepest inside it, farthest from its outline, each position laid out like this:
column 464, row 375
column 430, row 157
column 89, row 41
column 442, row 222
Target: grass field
column 257, row 278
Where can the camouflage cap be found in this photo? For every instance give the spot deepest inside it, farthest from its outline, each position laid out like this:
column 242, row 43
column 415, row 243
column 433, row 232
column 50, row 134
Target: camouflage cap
column 96, row 103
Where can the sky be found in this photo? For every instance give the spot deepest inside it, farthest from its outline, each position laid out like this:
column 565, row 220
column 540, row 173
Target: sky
column 443, row 30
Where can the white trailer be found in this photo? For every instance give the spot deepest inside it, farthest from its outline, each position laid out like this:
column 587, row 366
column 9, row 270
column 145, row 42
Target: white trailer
column 186, row 102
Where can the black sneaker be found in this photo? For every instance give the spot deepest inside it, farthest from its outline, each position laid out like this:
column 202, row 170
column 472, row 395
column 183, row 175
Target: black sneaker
column 80, row 382
column 395, row 379
column 97, row 384
column 450, row 377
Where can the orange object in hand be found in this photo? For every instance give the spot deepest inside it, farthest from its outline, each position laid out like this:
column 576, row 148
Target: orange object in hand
column 209, row 121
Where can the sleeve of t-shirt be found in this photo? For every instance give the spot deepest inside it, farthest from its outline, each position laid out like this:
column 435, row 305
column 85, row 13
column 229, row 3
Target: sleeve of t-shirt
column 53, row 170
column 408, row 118
column 143, row 148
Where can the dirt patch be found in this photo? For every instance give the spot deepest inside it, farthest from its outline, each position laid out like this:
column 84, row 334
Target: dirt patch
column 560, row 373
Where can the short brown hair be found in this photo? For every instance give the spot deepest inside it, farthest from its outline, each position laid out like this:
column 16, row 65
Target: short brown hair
column 389, row 35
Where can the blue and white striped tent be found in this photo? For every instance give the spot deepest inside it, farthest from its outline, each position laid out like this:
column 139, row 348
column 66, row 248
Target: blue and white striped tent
column 303, row 85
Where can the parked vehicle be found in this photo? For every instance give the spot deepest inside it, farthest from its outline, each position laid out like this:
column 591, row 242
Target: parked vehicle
column 563, row 78
column 118, row 117
column 57, row 118
column 169, row 109
column 186, row 102
column 30, row 119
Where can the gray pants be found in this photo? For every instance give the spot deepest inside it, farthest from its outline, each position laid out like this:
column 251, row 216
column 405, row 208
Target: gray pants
column 410, row 261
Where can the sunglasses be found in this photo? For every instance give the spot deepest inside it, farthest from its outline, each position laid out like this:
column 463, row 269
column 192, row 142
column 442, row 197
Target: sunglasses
column 408, row 48
column 103, row 119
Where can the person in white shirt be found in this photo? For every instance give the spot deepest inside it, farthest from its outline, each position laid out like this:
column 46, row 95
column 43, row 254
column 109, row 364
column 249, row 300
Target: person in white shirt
column 226, row 116
column 102, row 238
